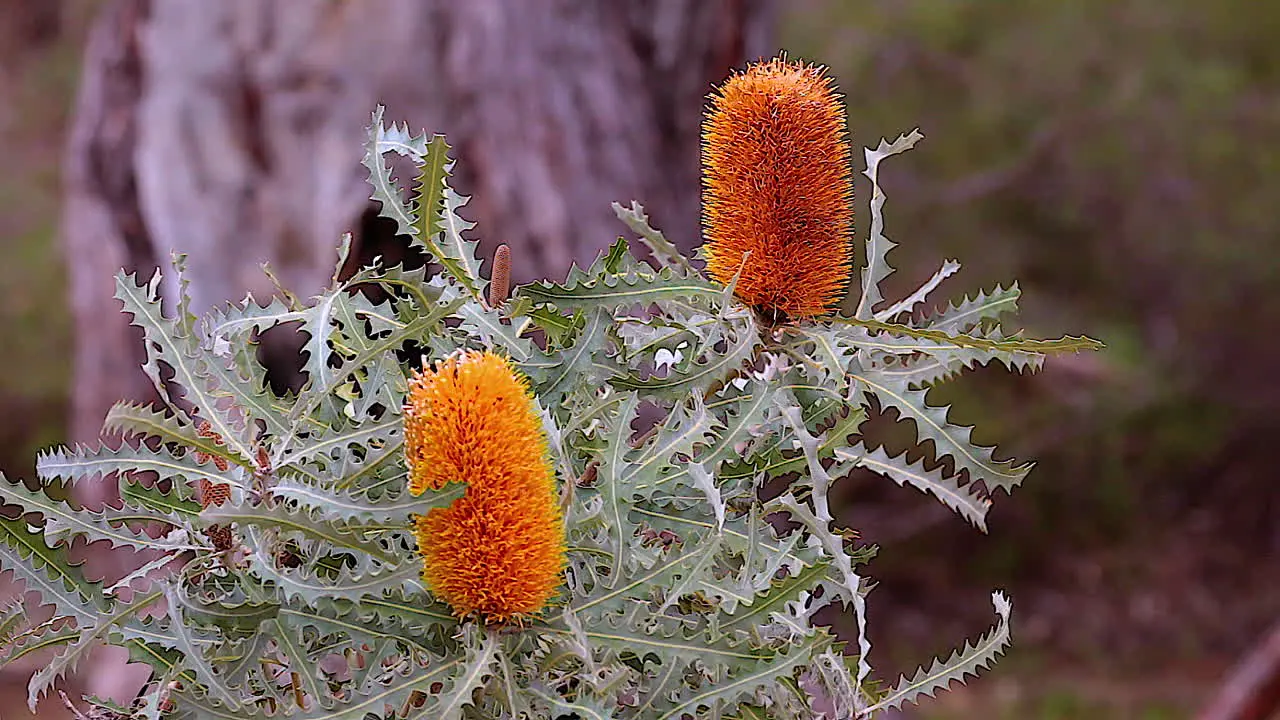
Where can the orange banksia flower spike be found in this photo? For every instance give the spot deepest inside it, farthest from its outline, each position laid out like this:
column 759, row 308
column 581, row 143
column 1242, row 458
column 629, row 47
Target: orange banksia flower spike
column 498, row 551
column 777, row 183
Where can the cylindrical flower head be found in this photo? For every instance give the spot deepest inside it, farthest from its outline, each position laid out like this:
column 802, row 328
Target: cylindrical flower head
column 776, row 182
column 498, row 551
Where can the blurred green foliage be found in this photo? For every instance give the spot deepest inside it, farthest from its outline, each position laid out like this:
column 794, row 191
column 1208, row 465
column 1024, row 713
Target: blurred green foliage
column 1119, row 159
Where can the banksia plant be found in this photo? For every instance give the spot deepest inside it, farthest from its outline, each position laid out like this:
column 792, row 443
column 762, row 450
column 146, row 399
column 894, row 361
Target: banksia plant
column 498, row 551
column 462, row 514
column 777, row 189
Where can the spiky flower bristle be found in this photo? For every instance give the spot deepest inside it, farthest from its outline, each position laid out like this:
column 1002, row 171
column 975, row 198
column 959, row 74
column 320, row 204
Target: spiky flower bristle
column 777, row 184
column 498, row 551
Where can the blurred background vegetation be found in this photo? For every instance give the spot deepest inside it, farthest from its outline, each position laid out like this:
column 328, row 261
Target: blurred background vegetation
column 1119, row 159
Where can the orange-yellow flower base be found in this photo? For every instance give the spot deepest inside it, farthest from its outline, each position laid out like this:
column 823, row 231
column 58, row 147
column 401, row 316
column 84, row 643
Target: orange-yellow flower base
column 498, row 551
column 777, row 183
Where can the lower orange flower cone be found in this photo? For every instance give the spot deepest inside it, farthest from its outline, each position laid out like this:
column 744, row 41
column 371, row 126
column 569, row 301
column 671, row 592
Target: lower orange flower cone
column 497, row 552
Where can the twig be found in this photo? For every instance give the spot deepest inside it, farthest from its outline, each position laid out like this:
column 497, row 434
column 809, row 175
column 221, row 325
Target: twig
column 71, row 706
column 1252, row 690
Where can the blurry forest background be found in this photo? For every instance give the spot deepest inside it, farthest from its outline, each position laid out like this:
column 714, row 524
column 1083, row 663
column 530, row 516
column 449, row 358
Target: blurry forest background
column 1121, row 160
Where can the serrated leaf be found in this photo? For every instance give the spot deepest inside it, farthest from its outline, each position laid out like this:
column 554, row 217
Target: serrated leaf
column 303, row 584
column 131, row 420
column 615, row 291
column 196, row 374
column 359, row 507
column 776, row 596
column 304, row 522
column 877, row 266
column 948, row 439
column 946, row 489
column 968, row 660
column 664, row 251
column 969, row 313
column 91, row 637
column 382, row 140
column 46, row 570
column 328, row 441
column 193, row 657
column 63, row 522
column 437, row 227
column 728, row 692
column 82, row 463
column 1007, row 345
column 556, row 374
column 921, row 295
column 700, row 370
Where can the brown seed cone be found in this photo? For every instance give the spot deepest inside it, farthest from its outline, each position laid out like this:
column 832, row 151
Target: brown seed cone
column 777, row 183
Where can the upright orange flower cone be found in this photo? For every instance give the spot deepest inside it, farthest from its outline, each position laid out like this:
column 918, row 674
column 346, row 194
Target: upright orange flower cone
column 777, row 183
column 498, row 551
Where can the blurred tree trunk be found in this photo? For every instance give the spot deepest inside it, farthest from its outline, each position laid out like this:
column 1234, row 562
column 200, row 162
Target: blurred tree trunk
column 231, row 131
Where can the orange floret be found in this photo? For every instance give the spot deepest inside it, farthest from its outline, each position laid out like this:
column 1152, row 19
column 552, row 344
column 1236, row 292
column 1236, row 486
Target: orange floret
column 498, row 551
column 777, row 183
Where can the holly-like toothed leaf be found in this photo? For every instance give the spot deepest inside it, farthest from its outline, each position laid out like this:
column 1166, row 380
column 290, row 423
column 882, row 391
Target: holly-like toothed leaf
column 947, row 490
column 877, row 266
column 699, row 369
column 152, row 497
column 354, row 508
column 242, row 617
column 306, row 522
column 622, row 597
column 818, row 519
column 742, row 423
column 432, row 221
column 439, row 227
column 725, row 693
column 755, row 610
column 92, row 636
column 1008, row 345
column 82, row 463
column 969, row 313
column 664, row 251
column 945, row 363
column 115, row 526
column 46, row 570
column 615, row 496
column 968, row 660
column 583, row 708
column 357, row 624
column 948, row 439
column 555, row 374
column 321, row 321
column 774, row 456
column 382, row 140
column 635, row 630
column 130, row 420
column 616, row 260
column 420, row 327
column 321, row 446
column 305, row 584
column 404, row 613
column 625, row 290
column 193, row 656
column 921, row 295
column 202, row 379
column 487, row 324
column 555, row 326
column 45, row 638
column 447, row 682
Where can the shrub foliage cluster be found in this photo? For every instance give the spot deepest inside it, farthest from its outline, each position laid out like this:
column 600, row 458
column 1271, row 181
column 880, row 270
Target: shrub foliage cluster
column 284, row 576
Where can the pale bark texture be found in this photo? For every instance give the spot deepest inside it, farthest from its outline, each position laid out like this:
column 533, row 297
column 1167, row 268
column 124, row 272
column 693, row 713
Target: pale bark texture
column 231, row 131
